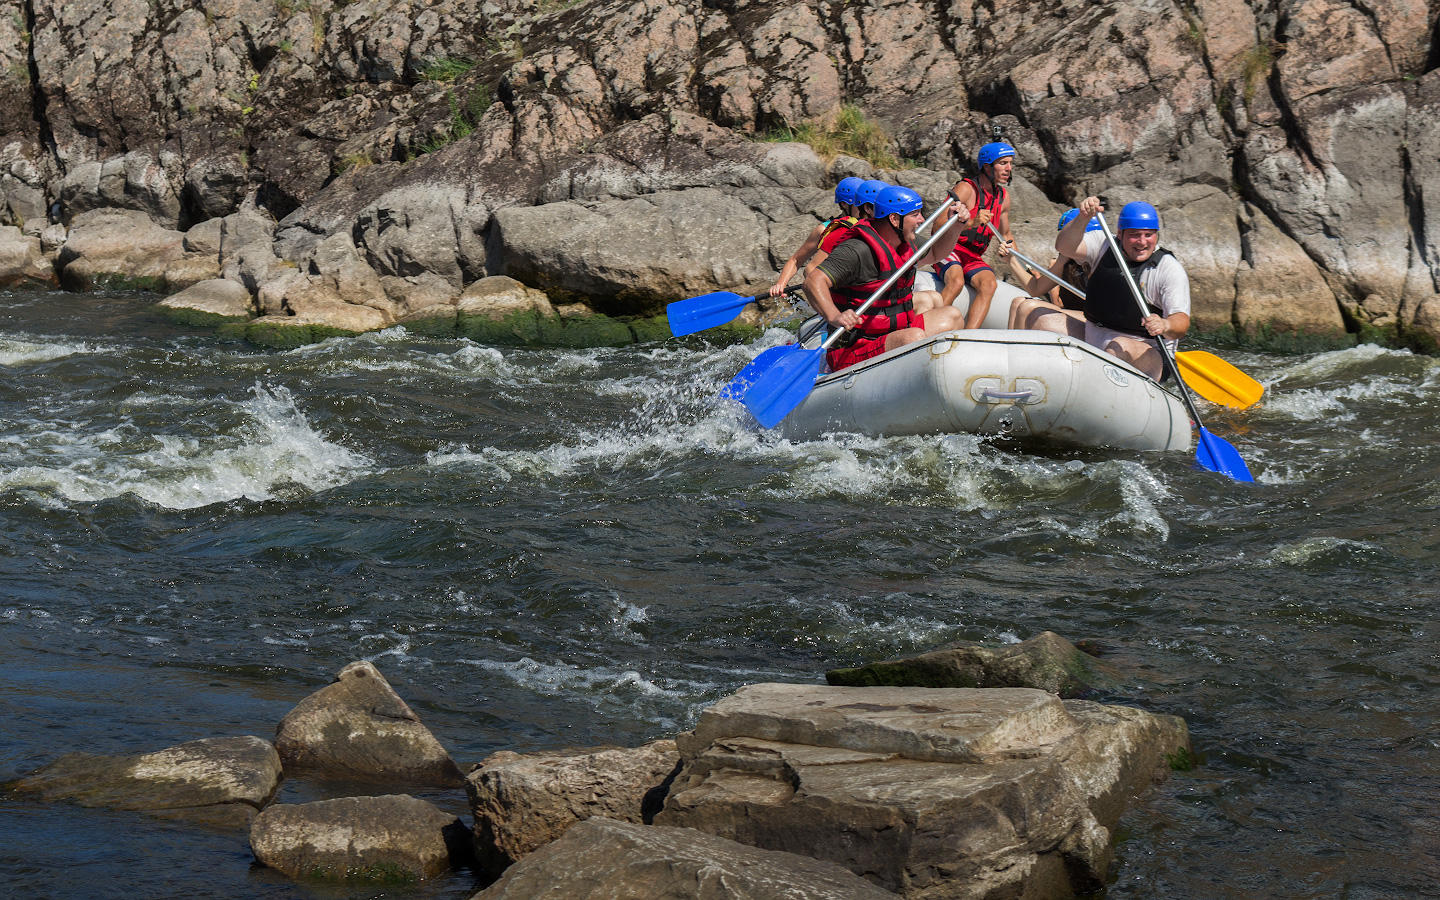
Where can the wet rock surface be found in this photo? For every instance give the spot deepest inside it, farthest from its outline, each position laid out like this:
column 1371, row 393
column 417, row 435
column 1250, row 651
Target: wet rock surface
column 1047, row 662
column 215, row 780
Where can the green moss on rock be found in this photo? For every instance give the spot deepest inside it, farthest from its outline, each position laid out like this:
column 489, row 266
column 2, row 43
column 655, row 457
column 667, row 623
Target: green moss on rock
column 517, row 329
column 199, row 319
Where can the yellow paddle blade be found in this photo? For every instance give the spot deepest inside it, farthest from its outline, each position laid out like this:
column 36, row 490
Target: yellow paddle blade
column 1217, row 381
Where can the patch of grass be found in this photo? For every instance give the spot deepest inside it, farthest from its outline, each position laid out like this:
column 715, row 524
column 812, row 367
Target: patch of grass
column 463, row 118
column 1255, row 67
column 447, row 68
column 352, row 161
column 853, row 135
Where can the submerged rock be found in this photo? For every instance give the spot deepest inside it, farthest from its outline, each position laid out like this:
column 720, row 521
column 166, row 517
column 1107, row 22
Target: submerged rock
column 521, row 803
column 391, row 838
column 360, row 726
column 219, row 780
column 951, row 793
column 1046, row 661
column 604, row 858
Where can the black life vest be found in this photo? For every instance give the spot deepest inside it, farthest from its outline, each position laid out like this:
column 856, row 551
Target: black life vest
column 978, row 240
column 881, row 317
column 1108, row 301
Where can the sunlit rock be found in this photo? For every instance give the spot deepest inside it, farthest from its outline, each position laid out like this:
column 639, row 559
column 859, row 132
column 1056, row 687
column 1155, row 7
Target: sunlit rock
column 928, row 792
column 392, row 838
column 218, row 780
column 360, row 726
column 522, row 802
column 605, row 858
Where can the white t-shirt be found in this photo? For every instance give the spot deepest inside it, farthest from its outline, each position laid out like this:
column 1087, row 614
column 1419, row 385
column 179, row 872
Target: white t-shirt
column 1164, row 285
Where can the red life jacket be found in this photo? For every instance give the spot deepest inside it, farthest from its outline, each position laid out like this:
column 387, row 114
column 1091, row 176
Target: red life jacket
column 881, row 317
column 978, row 240
column 837, row 231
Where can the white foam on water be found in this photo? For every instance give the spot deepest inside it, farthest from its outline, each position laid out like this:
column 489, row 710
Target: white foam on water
column 565, row 680
column 275, row 449
column 1334, row 362
column 19, row 352
column 839, row 622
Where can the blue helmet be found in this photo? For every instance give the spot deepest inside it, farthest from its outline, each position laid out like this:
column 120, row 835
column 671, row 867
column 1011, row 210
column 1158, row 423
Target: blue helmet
column 1138, row 214
column 897, row 199
column 1092, row 225
column 869, row 192
column 845, row 190
column 991, row 152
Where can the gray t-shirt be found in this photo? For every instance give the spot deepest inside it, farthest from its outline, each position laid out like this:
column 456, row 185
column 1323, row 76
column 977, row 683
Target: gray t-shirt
column 1165, row 285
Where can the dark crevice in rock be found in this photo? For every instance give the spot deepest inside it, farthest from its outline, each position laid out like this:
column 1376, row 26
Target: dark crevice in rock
column 39, row 103
column 1432, row 59
column 1415, row 214
column 1294, row 135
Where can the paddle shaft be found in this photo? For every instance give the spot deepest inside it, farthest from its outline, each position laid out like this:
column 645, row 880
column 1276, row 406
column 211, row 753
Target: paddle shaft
column 1144, row 312
column 1046, row 269
column 909, row 264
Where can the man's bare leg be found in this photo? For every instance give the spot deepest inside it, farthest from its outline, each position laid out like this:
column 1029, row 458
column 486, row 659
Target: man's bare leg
column 925, row 300
column 954, row 284
column 1024, row 311
column 1140, row 354
column 1058, row 321
column 984, row 282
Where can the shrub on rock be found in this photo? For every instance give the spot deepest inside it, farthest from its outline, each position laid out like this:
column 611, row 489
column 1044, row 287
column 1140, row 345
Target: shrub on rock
column 360, row 726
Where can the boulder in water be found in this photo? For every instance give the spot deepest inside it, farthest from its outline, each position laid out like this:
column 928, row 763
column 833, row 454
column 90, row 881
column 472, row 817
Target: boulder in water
column 218, row 780
column 1046, row 661
column 959, row 793
column 391, row 838
column 360, row 726
column 605, row 858
column 211, row 302
column 522, row 802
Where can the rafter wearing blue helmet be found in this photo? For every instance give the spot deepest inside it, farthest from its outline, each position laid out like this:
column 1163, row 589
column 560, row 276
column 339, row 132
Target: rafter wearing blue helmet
column 1110, row 319
column 983, row 201
column 841, row 284
column 823, row 237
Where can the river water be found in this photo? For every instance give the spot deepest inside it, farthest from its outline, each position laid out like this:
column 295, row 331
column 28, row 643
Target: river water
column 552, row 548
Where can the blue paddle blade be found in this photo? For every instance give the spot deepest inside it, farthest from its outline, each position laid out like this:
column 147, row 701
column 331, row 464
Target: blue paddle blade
column 738, row 385
column 787, row 381
column 1217, row 455
column 707, row 311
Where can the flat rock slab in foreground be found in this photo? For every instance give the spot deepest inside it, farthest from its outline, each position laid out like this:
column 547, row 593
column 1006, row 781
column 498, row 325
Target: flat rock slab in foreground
column 524, row 802
column 360, row 726
column 931, row 793
column 392, row 838
column 220, row 780
column 601, row 859
column 1046, row 661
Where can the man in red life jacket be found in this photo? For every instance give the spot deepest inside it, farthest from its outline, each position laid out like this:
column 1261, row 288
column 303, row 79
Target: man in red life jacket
column 825, row 236
column 985, row 200
column 841, row 284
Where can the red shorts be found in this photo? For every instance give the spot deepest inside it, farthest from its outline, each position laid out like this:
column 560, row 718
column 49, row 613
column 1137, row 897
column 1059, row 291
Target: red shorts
column 968, row 261
column 869, row 347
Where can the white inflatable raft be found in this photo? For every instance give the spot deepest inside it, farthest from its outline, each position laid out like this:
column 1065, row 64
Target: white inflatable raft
column 1029, row 385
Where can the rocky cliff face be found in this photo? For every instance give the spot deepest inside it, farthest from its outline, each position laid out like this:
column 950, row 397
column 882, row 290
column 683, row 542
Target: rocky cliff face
column 605, row 148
